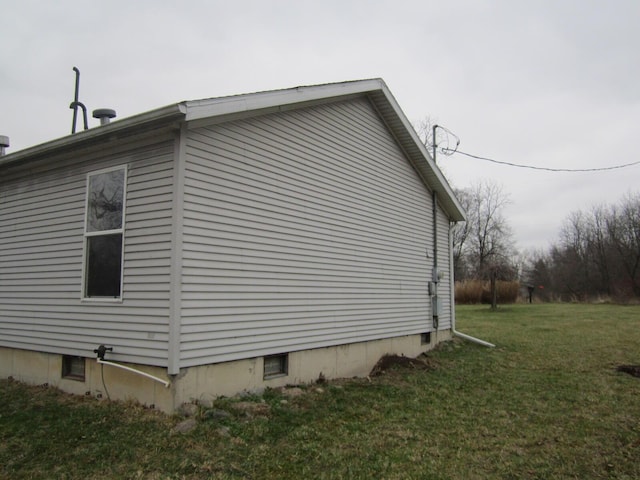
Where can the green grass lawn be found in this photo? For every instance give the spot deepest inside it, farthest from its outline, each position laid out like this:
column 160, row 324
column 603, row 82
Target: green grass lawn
column 546, row 403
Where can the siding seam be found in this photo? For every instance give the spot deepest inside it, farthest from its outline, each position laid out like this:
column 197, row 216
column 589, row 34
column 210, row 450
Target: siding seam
column 175, row 282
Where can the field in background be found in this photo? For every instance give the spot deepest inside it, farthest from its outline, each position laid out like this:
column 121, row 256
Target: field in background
column 547, row 402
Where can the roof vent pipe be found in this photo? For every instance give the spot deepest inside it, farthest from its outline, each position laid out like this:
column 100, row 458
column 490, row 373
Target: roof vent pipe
column 4, row 143
column 104, row 114
column 75, row 104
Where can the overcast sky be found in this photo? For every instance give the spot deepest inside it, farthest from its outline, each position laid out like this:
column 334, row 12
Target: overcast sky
column 548, row 83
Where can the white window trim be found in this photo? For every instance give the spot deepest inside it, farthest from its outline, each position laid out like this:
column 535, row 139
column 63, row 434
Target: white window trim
column 83, row 296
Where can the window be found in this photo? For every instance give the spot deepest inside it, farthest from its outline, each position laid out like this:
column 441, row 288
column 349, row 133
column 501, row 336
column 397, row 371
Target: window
column 73, row 367
column 104, row 233
column 275, row 366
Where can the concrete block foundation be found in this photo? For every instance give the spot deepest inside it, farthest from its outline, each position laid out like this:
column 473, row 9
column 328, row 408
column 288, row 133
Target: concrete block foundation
column 206, row 382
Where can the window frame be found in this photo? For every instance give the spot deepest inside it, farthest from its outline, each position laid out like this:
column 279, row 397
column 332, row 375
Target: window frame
column 282, row 359
column 70, row 363
column 88, row 234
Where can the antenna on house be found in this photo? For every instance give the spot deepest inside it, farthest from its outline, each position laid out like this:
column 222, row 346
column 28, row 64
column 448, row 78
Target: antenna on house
column 75, row 104
column 4, row 143
column 446, row 150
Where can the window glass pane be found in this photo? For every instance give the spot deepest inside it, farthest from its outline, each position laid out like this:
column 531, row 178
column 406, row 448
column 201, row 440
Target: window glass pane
column 73, row 367
column 275, row 365
column 104, row 262
column 106, row 194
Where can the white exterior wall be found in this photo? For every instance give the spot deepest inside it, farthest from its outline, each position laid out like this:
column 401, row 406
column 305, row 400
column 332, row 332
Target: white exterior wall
column 42, row 208
column 302, row 229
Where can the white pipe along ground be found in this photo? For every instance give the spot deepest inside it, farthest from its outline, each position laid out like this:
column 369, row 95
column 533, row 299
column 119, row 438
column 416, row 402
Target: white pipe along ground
column 456, row 333
column 472, row 339
column 144, row 374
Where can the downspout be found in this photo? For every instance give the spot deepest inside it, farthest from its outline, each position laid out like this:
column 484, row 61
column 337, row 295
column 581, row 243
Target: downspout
column 175, row 299
column 455, row 333
column 434, row 274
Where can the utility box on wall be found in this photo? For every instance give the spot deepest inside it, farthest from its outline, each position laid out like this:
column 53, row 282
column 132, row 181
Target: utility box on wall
column 436, row 306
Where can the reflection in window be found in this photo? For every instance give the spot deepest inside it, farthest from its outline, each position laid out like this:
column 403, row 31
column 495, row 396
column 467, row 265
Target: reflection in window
column 106, row 194
column 104, row 229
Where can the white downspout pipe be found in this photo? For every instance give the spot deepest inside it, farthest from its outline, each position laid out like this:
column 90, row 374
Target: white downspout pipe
column 472, row 339
column 139, row 372
column 456, row 333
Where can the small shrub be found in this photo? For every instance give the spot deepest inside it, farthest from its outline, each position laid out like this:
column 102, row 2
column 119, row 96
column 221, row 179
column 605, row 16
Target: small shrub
column 507, row 291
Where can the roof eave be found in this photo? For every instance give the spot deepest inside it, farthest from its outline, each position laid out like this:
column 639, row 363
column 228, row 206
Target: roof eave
column 256, row 103
column 131, row 125
column 375, row 89
column 280, row 99
column 416, row 151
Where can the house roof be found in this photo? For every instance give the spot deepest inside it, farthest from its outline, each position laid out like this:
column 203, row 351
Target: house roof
column 251, row 104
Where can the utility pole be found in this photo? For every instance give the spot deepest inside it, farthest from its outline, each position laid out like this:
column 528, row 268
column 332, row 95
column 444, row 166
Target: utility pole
column 433, row 140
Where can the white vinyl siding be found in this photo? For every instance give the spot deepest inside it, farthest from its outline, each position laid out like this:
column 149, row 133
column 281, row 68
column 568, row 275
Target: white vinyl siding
column 302, row 229
column 42, row 215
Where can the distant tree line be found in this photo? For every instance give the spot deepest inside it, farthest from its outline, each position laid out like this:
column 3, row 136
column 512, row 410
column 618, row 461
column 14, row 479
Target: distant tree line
column 597, row 255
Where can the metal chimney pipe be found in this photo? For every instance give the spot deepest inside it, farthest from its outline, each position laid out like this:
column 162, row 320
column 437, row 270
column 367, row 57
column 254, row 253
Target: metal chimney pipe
column 104, row 114
column 4, row 143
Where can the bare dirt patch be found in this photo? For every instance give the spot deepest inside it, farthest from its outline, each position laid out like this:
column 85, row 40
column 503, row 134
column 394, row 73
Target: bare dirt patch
column 630, row 369
column 396, row 362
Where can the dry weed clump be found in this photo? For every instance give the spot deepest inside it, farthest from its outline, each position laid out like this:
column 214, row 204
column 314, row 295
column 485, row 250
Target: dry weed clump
column 470, row 292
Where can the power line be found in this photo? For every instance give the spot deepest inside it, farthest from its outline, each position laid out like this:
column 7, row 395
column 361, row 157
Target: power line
column 548, row 169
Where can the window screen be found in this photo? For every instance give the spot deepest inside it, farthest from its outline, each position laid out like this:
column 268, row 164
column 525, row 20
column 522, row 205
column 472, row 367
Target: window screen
column 104, row 233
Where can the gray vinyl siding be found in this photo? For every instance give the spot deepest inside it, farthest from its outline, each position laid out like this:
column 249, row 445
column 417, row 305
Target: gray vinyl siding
column 42, row 211
column 301, row 229
column 444, row 266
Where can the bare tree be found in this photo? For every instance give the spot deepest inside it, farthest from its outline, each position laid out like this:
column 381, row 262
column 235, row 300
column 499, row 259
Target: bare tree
column 485, row 242
column 424, row 129
column 599, row 248
column 571, row 256
column 461, row 233
column 624, row 232
column 491, row 238
column 539, row 273
column 598, row 252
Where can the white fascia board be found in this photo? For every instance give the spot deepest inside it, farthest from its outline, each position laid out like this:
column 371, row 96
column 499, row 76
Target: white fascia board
column 285, row 99
column 175, row 112
column 212, row 107
column 378, row 93
column 415, row 149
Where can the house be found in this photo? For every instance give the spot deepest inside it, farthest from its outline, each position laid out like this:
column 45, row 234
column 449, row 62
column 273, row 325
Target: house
column 225, row 245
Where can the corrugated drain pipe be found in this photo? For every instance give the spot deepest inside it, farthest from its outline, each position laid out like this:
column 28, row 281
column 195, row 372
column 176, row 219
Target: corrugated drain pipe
column 456, row 333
